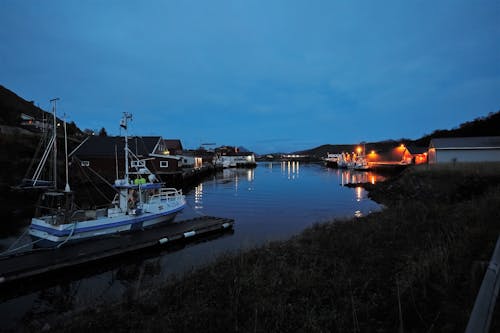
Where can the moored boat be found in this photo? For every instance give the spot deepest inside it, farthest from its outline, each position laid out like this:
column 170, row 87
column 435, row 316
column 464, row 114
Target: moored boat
column 138, row 204
column 331, row 160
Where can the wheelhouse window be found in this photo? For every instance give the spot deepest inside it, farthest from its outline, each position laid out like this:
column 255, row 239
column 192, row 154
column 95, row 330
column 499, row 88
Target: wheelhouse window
column 138, row 164
column 163, row 164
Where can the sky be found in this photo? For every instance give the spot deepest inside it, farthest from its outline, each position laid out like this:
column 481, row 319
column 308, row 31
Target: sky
column 272, row 76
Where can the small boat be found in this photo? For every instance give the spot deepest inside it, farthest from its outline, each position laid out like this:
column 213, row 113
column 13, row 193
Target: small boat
column 138, row 204
column 361, row 164
column 332, row 160
column 345, row 161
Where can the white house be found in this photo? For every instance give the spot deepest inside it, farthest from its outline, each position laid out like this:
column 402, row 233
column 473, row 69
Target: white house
column 195, row 162
column 233, row 160
column 469, row 149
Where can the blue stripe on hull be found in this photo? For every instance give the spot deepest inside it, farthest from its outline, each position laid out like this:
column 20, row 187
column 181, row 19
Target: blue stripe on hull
column 131, row 221
column 42, row 242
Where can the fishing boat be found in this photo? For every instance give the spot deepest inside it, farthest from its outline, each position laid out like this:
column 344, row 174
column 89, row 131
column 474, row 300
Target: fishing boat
column 361, row 164
column 138, row 204
column 332, row 160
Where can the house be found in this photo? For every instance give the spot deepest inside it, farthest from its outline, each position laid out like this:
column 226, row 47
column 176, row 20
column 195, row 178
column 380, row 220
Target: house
column 467, row 149
column 192, row 159
column 105, row 155
column 418, row 154
column 231, row 157
column 170, row 147
column 32, row 123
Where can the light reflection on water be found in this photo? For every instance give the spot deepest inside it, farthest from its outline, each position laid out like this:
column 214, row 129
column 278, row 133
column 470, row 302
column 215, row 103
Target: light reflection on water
column 272, row 202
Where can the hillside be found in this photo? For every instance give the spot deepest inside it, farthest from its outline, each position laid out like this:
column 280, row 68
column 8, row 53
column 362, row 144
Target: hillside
column 11, row 107
column 323, row 150
column 17, row 145
column 482, row 126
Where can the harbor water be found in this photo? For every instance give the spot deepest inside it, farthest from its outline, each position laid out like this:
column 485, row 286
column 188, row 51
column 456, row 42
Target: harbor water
column 274, row 201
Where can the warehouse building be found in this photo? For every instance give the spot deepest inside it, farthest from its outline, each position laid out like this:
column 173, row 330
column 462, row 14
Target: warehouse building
column 460, row 150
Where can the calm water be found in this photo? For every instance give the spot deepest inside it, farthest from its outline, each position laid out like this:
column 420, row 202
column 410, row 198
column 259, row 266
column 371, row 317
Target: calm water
column 272, row 202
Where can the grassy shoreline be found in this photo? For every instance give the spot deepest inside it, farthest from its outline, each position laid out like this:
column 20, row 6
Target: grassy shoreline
column 424, row 254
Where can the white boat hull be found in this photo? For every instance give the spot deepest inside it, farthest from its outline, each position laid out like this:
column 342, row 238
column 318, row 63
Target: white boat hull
column 46, row 235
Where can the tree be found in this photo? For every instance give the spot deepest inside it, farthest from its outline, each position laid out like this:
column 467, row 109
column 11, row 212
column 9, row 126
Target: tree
column 103, row 132
column 72, row 128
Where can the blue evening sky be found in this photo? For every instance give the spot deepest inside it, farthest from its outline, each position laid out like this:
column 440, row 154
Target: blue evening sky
column 268, row 75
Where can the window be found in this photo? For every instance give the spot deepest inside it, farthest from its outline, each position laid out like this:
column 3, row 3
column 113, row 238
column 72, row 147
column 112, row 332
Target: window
column 163, row 164
column 138, row 164
column 85, row 163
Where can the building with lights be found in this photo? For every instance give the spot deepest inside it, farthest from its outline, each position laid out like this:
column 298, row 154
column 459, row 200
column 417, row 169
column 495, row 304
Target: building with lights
column 466, row 149
column 104, row 154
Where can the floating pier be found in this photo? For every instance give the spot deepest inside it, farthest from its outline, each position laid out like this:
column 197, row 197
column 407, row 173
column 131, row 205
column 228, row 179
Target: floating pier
column 39, row 261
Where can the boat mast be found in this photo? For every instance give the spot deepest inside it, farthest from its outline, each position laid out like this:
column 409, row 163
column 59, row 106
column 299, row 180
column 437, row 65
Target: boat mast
column 66, row 188
column 123, row 123
column 54, row 100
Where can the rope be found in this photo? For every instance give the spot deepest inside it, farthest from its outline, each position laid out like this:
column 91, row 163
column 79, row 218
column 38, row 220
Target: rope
column 20, row 247
column 37, row 152
column 17, row 240
column 90, row 180
column 69, row 236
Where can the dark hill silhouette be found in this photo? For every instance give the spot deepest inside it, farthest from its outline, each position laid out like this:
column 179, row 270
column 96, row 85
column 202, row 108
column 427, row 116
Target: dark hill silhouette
column 482, row 126
column 11, row 107
column 18, row 148
column 323, row 150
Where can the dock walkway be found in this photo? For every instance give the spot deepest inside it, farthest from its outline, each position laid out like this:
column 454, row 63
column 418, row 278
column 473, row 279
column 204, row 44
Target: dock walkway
column 39, row 261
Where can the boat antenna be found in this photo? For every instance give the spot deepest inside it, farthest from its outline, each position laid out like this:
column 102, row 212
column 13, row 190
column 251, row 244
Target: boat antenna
column 123, row 124
column 54, row 101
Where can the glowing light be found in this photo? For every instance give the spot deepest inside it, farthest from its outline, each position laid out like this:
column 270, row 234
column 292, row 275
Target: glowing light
column 358, row 150
column 198, row 197
column 373, row 152
column 358, row 193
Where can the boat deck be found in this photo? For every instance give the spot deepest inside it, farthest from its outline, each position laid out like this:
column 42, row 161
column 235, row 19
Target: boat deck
column 39, row 261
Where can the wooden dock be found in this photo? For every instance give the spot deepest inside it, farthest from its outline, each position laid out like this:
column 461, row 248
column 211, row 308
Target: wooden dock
column 39, row 261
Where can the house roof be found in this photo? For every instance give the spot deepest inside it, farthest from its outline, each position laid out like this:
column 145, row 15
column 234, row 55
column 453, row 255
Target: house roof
column 173, row 144
column 247, row 153
column 416, row 149
column 484, row 142
column 108, row 145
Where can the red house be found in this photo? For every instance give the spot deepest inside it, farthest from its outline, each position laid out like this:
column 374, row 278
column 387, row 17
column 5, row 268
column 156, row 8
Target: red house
column 105, row 155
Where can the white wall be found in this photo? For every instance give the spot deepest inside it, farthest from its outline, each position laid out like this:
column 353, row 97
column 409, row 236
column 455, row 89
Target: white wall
column 464, row 155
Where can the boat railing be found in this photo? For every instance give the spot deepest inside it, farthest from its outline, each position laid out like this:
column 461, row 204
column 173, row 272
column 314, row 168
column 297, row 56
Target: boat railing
column 166, row 194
